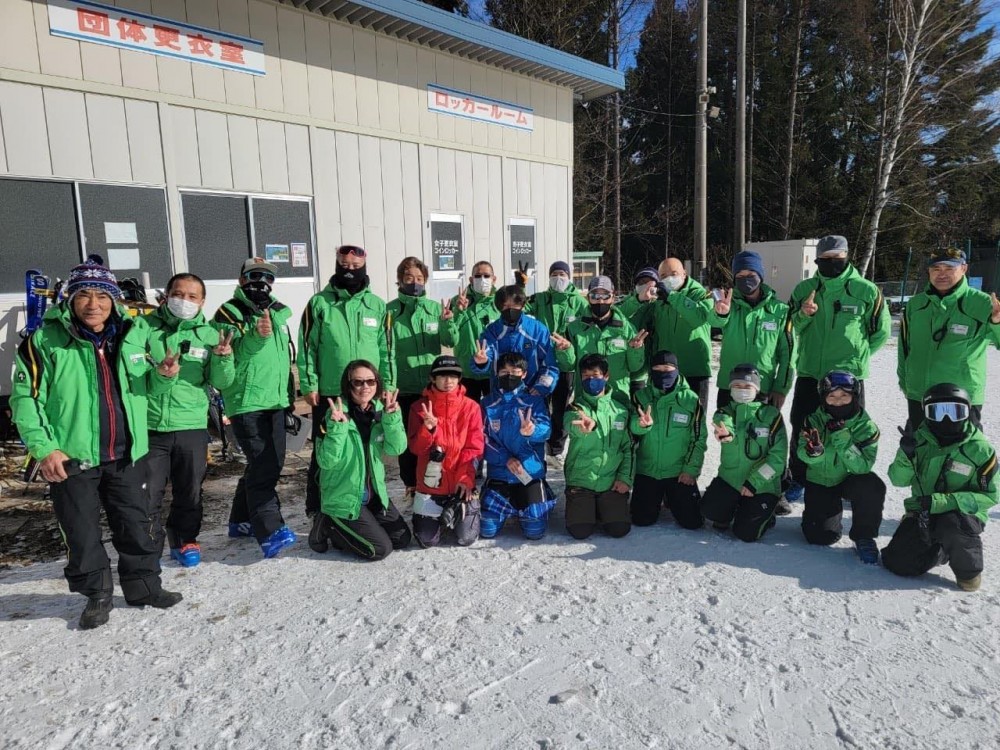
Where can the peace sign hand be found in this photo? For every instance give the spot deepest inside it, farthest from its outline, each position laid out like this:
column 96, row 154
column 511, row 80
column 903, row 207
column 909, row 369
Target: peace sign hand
column 809, row 306
column 725, row 303
column 337, row 410
column 481, row 357
column 168, row 366
column 521, row 274
column 646, row 417
column 391, row 401
column 995, row 317
column 639, row 340
column 561, row 343
column 585, row 423
column 463, row 300
column 427, row 414
column 446, row 312
column 224, row 347
column 527, row 426
column 722, row 433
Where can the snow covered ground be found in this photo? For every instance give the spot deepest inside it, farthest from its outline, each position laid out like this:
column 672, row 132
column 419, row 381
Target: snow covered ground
column 665, row 638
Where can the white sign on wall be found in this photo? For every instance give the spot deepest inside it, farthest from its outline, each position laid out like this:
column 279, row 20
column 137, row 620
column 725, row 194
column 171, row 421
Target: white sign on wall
column 127, row 29
column 483, row 109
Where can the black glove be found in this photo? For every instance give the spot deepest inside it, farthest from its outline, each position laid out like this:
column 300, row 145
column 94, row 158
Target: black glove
column 835, row 424
column 662, row 292
column 907, row 441
column 814, row 445
column 924, row 523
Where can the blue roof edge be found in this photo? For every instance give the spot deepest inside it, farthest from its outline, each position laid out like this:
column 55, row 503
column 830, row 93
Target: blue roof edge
column 502, row 41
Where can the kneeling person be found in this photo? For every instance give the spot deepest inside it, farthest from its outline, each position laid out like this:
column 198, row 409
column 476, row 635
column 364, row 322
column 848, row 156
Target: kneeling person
column 838, row 445
column 517, row 426
column 754, row 450
column 356, row 514
column 951, row 470
column 600, row 457
column 670, row 427
column 446, row 435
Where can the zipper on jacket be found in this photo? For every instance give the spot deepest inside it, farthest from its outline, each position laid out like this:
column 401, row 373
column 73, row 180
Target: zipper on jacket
column 106, row 382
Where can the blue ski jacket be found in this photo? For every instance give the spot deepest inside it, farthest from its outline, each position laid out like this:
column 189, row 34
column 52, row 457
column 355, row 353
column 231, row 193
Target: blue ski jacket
column 529, row 337
column 502, row 413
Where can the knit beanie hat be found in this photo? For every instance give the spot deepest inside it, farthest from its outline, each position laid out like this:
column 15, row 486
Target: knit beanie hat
column 745, row 373
column 748, row 260
column 93, row 274
column 560, row 265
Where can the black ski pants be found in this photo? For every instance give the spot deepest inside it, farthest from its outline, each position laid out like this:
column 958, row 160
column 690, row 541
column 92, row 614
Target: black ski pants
column 822, row 517
column 682, row 500
column 586, row 510
column 181, row 458
column 375, row 533
column 261, row 435
column 558, row 401
column 750, row 517
column 118, row 486
column 954, row 539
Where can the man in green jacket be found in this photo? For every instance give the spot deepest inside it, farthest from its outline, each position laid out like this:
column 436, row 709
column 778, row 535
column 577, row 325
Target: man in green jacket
column 669, row 426
column 606, row 332
column 599, row 464
column 678, row 322
column 951, row 470
column 178, row 438
column 344, row 322
column 754, row 450
column 79, row 402
column 945, row 332
column 634, row 305
column 838, row 444
column 840, row 319
column 414, row 328
column 465, row 317
column 755, row 328
column 257, row 326
column 557, row 307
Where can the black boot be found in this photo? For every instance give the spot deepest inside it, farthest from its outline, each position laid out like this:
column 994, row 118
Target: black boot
column 97, row 612
column 318, row 533
column 162, row 599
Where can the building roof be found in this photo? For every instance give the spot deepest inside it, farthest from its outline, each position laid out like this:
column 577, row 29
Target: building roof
column 428, row 26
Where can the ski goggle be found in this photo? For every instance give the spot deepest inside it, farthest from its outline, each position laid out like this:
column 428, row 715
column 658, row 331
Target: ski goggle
column 351, row 250
column 954, row 411
column 599, row 295
column 265, row 276
column 838, row 380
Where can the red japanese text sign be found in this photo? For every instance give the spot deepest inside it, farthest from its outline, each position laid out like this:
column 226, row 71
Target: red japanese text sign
column 472, row 107
column 118, row 27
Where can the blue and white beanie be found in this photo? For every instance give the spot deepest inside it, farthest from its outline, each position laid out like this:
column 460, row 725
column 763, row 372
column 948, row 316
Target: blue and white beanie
column 93, row 274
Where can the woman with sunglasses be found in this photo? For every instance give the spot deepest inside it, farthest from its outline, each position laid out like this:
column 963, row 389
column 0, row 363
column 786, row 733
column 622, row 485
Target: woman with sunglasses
column 838, row 444
column 346, row 321
column 754, row 450
column 944, row 334
column 951, row 470
column 356, row 514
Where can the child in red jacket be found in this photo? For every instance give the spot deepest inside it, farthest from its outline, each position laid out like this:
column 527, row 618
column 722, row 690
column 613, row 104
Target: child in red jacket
column 445, row 433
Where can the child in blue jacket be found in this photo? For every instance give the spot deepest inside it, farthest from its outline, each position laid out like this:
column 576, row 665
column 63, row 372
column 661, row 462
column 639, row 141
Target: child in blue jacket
column 517, row 426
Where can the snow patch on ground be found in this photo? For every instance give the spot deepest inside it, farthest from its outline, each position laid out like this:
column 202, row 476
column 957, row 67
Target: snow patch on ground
column 666, row 638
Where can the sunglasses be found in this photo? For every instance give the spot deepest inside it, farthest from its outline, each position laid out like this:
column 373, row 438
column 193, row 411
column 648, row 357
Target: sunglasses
column 951, row 410
column 599, row 296
column 352, row 250
column 265, row 276
column 359, row 383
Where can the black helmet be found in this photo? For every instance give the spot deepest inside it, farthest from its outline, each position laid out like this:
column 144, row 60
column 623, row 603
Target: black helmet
column 946, row 392
column 839, row 380
column 946, row 401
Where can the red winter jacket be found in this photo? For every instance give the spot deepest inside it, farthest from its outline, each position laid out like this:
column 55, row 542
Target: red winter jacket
column 459, row 432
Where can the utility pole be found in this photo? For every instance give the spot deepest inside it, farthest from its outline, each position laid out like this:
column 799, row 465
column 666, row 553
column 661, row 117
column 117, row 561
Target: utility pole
column 739, row 194
column 614, row 33
column 700, row 145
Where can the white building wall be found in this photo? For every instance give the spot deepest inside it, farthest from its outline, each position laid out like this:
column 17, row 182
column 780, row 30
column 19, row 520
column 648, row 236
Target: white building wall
column 341, row 116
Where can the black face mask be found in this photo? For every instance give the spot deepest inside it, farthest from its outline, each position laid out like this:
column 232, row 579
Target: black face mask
column 831, row 268
column 413, row 290
column 600, row 309
column 946, row 432
column 664, row 380
column 350, row 280
column 258, row 292
column 509, row 382
column 748, row 284
column 844, row 412
column 510, row 316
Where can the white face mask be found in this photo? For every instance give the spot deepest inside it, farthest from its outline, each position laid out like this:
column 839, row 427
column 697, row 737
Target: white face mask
column 482, row 286
column 183, row 308
column 673, row 283
column 743, row 395
column 558, row 283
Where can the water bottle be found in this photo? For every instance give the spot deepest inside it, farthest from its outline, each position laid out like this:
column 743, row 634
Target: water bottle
column 432, row 474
